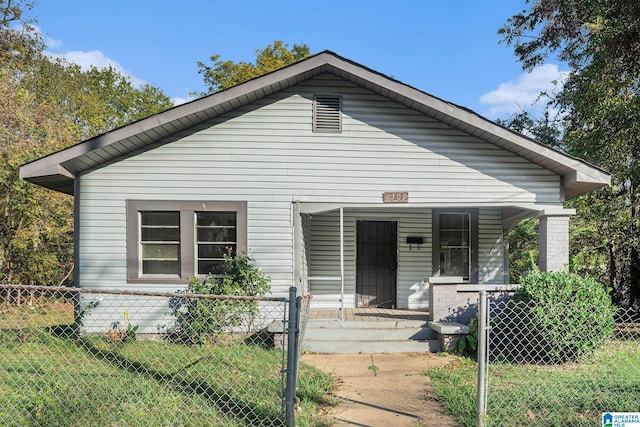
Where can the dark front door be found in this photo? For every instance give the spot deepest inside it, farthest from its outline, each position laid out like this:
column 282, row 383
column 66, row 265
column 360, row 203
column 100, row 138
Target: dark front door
column 376, row 261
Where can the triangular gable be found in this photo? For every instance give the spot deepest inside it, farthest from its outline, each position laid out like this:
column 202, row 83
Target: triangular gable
column 57, row 171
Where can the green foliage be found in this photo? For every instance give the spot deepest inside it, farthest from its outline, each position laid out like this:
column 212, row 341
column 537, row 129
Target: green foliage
column 561, row 316
column 96, row 100
column 199, row 320
column 18, row 41
column 523, row 249
column 225, row 74
column 544, row 129
column 532, row 395
column 373, row 367
column 49, row 105
column 35, row 225
column 468, row 344
column 53, row 381
column 456, row 386
column 315, row 390
column 119, row 334
column 600, row 101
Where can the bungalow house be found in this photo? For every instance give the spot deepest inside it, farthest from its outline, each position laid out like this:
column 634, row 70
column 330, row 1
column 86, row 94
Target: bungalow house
column 332, row 176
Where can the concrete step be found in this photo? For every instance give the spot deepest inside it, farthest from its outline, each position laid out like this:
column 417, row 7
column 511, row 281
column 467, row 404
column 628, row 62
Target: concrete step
column 322, row 336
column 368, row 325
column 354, row 347
column 351, row 333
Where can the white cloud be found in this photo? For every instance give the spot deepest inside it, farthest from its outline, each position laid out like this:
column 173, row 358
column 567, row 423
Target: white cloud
column 514, row 97
column 96, row 58
column 50, row 42
column 177, row 100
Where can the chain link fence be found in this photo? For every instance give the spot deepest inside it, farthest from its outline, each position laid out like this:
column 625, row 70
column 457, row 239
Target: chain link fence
column 551, row 367
column 78, row 357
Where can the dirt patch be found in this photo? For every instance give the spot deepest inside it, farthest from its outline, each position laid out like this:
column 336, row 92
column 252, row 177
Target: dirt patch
column 384, row 389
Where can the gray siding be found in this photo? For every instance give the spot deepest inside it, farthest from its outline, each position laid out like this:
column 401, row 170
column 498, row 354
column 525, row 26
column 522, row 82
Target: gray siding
column 266, row 154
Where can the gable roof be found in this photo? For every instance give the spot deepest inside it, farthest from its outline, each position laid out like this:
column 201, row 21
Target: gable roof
column 57, row 171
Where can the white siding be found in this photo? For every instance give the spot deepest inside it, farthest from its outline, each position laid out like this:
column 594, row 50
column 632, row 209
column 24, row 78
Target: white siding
column 267, row 155
column 324, row 259
column 491, row 256
column 414, row 261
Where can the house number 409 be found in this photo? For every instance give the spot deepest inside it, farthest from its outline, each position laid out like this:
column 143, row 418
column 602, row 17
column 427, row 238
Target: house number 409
column 395, row 197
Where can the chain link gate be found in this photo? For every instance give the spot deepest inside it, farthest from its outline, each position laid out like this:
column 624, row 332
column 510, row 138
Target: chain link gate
column 71, row 356
column 568, row 375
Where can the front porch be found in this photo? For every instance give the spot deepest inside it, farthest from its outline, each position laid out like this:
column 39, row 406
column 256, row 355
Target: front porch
column 358, row 256
column 379, row 275
column 380, row 330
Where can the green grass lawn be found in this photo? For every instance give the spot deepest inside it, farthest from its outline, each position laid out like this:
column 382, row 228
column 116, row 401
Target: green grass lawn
column 56, row 313
column 49, row 380
column 563, row 395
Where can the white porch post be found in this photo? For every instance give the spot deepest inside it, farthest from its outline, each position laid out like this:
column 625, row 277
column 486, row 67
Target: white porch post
column 341, row 264
column 298, row 281
column 554, row 240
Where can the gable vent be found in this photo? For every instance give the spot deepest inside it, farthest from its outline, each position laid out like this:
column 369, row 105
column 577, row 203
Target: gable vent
column 327, row 113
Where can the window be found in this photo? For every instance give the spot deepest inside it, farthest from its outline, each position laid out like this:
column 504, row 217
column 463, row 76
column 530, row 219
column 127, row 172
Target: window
column 160, row 242
column 455, row 236
column 172, row 241
column 455, row 244
column 327, row 113
column 215, row 236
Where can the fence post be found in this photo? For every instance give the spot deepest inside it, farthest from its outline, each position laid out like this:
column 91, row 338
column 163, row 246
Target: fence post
column 482, row 357
column 292, row 356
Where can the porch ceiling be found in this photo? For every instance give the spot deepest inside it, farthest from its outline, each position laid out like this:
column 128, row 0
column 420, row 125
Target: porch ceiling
column 509, row 209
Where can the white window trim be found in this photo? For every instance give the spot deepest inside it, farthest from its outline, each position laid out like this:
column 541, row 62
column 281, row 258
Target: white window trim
column 473, row 261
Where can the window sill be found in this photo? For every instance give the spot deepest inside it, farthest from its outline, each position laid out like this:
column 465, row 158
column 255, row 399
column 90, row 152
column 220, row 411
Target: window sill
column 448, row 280
column 159, row 280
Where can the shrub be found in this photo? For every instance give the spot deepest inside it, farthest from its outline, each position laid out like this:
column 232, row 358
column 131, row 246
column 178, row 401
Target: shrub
column 560, row 317
column 468, row 344
column 200, row 319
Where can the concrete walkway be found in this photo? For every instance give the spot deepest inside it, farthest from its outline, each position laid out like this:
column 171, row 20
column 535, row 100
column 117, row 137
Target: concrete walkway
column 384, row 389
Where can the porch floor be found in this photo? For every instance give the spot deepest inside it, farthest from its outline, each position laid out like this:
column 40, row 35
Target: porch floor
column 369, row 315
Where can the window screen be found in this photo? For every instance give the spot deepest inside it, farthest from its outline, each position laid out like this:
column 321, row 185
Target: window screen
column 160, row 242
column 455, row 244
column 215, row 236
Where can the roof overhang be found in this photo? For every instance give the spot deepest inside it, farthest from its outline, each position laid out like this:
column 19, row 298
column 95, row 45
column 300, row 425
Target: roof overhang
column 57, row 171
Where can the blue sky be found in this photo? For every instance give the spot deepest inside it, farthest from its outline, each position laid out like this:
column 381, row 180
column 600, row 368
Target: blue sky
column 447, row 48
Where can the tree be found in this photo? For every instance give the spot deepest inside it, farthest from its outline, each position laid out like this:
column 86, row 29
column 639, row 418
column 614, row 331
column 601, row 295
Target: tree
column 35, row 226
column 600, row 41
column 523, row 237
column 17, row 45
column 225, row 74
column 96, row 100
column 49, row 105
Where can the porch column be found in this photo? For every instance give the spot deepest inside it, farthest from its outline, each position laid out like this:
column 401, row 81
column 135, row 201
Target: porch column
column 554, row 240
column 298, row 236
